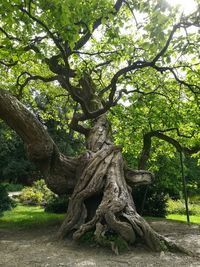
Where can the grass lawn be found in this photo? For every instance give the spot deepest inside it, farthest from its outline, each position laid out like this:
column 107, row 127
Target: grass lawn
column 25, row 217
column 29, row 217
column 177, row 217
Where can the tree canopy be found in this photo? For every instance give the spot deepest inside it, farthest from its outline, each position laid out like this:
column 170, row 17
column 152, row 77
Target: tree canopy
column 142, row 54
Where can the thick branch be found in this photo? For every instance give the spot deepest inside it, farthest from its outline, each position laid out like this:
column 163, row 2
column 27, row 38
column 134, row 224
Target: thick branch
column 138, row 177
column 77, row 127
column 59, row 171
column 23, row 122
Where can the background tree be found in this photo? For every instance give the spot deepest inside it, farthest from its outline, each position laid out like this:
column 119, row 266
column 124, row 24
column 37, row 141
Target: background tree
column 86, row 56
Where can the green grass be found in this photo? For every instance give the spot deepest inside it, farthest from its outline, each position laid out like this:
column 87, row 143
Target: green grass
column 177, row 217
column 25, row 217
column 29, row 217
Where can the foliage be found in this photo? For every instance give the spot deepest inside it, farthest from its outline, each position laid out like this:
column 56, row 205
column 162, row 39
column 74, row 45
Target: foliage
column 167, row 172
column 116, row 240
column 31, row 197
column 57, row 204
column 178, row 207
column 6, row 203
column 13, row 187
column 67, row 141
column 14, row 165
column 164, row 160
column 192, row 173
column 88, row 238
column 108, row 240
column 150, row 201
column 26, row 217
column 38, row 194
column 52, row 31
column 194, row 198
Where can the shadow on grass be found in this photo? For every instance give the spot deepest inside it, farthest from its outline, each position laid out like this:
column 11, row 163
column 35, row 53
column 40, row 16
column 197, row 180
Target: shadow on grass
column 26, row 217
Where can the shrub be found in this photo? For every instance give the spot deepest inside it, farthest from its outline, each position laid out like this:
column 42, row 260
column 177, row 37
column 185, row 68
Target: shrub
column 6, row 203
column 31, row 196
column 57, row 204
column 175, row 206
column 38, row 194
column 13, row 187
column 195, row 199
column 155, row 203
column 178, row 207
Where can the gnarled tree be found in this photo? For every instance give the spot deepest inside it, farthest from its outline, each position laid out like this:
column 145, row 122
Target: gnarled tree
column 92, row 54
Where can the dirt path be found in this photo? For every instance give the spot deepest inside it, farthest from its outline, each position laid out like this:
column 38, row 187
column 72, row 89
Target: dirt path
column 38, row 248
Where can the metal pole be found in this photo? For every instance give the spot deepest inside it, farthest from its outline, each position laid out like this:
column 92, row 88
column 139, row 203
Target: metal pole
column 184, row 188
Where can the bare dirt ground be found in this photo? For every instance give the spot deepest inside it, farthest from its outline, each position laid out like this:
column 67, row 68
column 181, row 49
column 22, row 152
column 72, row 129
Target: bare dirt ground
column 39, row 248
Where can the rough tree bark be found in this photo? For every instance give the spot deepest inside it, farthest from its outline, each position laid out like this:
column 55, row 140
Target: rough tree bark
column 99, row 177
column 103, row 173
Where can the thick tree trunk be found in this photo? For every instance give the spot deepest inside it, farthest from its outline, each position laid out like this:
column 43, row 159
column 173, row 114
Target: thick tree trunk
column 101, row 200
column 102, row 174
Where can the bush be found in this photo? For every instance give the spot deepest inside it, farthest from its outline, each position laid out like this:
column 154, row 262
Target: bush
column 38, row 194
column 195, row 199
column 178, row 207
column 155, row 203
column 6, row 203
column 31, row 196
column 13, row 187
column 57, row 204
